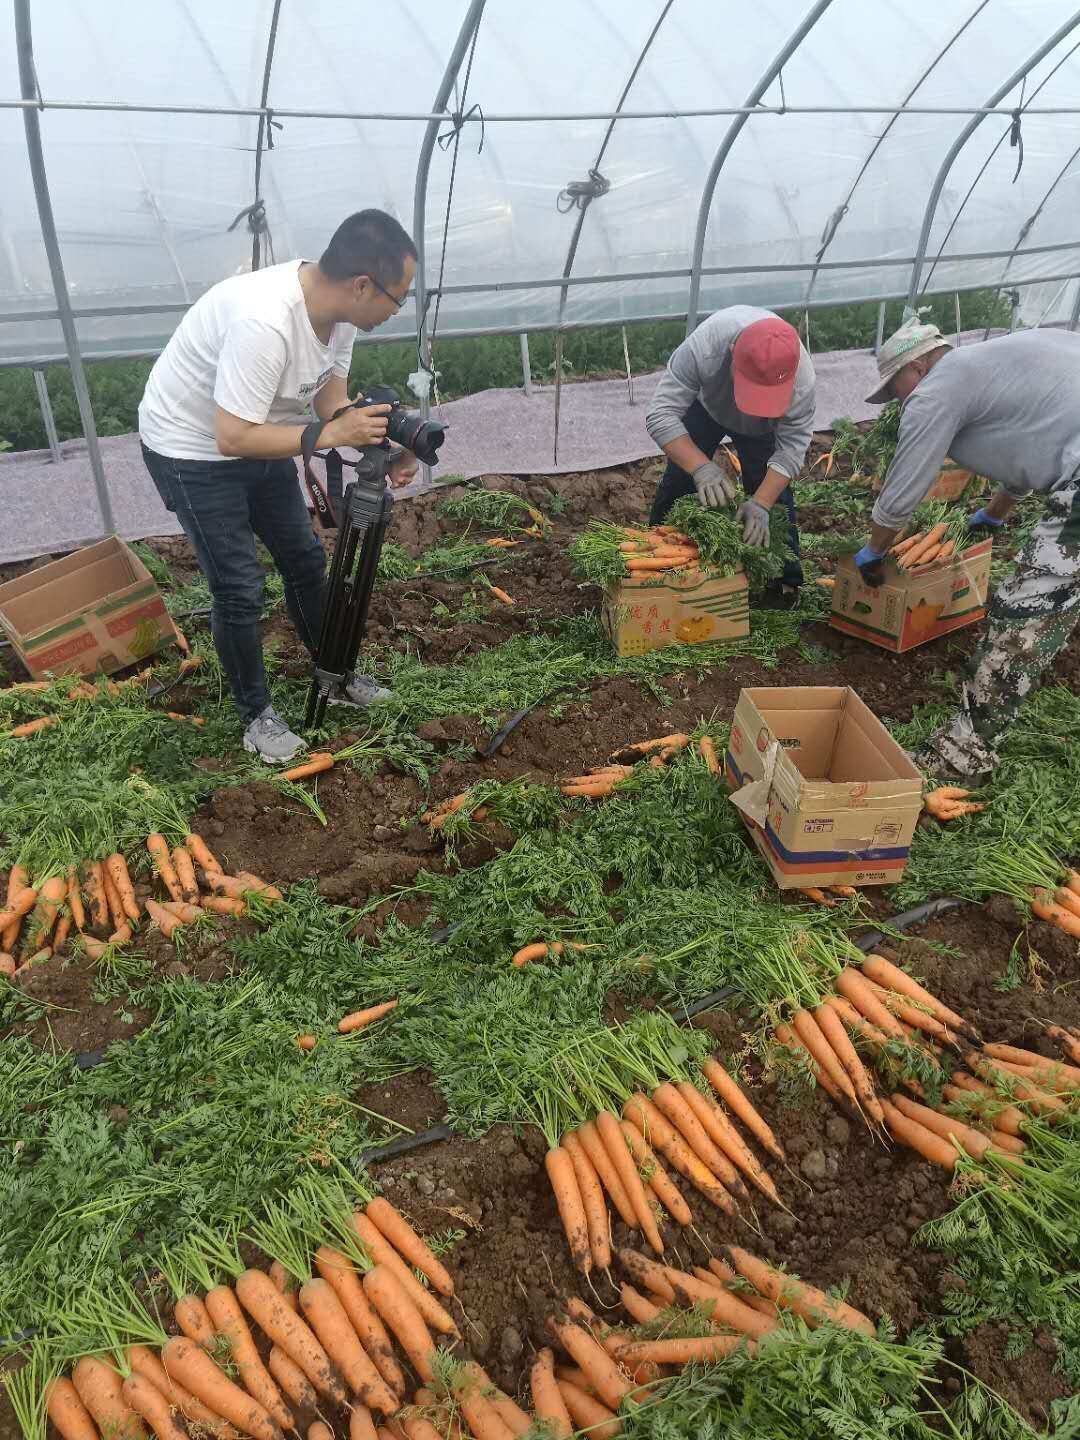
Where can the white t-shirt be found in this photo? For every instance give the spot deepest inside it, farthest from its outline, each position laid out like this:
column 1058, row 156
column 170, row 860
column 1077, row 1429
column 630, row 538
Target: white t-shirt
column 248, row 346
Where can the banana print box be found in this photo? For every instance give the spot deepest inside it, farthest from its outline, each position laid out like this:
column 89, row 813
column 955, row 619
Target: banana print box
column 911, row 608
column 677, row 609
column 93, row 612
column 827, row 794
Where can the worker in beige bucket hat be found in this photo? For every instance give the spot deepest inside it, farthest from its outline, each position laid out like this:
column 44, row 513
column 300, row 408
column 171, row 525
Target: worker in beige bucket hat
column 908, row 345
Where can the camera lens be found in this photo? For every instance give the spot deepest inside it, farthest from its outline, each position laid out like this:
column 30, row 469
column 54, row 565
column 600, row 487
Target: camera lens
column 422, row 437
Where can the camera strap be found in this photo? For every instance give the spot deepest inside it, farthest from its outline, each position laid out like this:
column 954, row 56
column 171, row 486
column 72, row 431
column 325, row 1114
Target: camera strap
column 325, row 499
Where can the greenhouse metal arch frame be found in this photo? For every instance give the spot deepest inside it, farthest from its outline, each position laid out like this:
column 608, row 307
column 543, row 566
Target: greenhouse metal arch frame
column 470, row 121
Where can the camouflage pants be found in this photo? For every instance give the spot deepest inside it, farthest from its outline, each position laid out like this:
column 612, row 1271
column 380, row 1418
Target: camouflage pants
column 1030, row 619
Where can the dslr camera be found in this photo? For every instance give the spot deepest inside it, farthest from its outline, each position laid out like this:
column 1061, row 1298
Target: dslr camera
column 407, row 428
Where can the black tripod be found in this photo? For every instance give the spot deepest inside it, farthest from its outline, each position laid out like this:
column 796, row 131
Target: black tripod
column 363, row 513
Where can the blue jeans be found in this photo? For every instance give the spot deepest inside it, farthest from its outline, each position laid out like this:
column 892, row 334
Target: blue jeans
column 754, row 452
column 223, row 505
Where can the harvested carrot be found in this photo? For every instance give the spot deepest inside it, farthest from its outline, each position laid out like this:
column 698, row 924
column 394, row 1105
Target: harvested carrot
column 9, row 930
column 147, row 1401
column 340, row 1274
column 986, row 1104
column 158, row 847
column 589, row 1415
column 929, row 541
column 832, row 1029
column 790, row 1293
column 263, row 1301
column 50, row 897
column 22, row 904
column 34, row 727
column 638, row 1306
column 358, row 1019
column 603, row 1373
column 190, row 1314
column 100, row 1389
column 809, row 1032
column 186, row 914
column 416, row 1427
column 909, row 1013
column 1011, row 1144
column 722, row 1308
column 1051, row 1078
column 609, row 1176
column 116, row 916
column 535, row 951
column 318, row 762
column 649, row 1273
column 643, row 1114
column 483, row 1420
column 291, row 1379
column 903, row 546
column 68, row 1413
column 200, row 852
column 319, row 1430
column 409, row 1245
column 655, row 1176
column 681, row 1352
column 1057, row 1069
column 284, row 1283
column 614, row 1142
column 673, row 1106
column 817, row 896
column 1029, row 1094
column 184, row 869
column 7, row 966
column 733, row 1097
column 396, row 1309
column 547, row 1398
column 223, row 905
column 973, row 1141
column 165, row 920
column 563, row 1176
column 662, row 742
column 787, row 1037
column 918, row 1138
column 116, row 866
column 74, row 898
column 307, row 1042
column 846, row 892
column 827, row 582
column 855, row 987
column 507, row 1409
column 361, row 1424
column 720, row 1129
column 1069, row 1042
column 383, row 1253
column 501, row 595
column 95, row 889
column 326, row 1316
column 198, row 1373
column 884, row 972
column 592, row 1200
column 253, row 885
column 190, row 719
column 228, row 1320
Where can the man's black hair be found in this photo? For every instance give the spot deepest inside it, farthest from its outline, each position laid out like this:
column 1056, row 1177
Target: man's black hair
column 371, row 242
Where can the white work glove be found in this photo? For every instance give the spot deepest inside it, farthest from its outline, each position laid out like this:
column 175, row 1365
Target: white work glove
column 713, row 487
column 755, row 521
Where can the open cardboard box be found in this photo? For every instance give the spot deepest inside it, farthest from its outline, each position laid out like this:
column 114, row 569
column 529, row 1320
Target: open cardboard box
column 96, row 610
column 827, row 794
column 912, row 607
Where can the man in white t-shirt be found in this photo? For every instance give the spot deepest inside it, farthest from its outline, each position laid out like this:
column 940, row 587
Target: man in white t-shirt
column 221, row 420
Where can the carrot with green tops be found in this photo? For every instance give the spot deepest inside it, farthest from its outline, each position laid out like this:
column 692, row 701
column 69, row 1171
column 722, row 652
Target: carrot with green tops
column 22, row 904
column 340, row 1273
column 547, row 1398
column 721, row 1131
column 924, row 1142
column 18, row 881
column 186, row 914
column 695, row 1351
column 903, row 546
column 592, row 1200
column 223, row 905
column 228, row 1320
column 707, row 750
column 909, row 1013
column 832, row 1029
column 947, row 1126
column 100, row 1388
column 67, row 1412
column 732, row 1095
column 790, row 1293
column 604, row 1375
column 614, row 1143
column 165, row 920
column 501, row 595
column 409, row 1245
column 116, row 868
column 809, row 1032
column 161, row 859
column 649, row 1273
column 263, row 1301
column 201, row 853
column 590, row 1415
column 640, row 1309
column 508, row 1410
column 199, row 1374
column 673, row 1106
column 477, row 1409
column 147, row 1363
column 817, row 896
column 7, row 966
column 147, row 1401
column 855, row 987
column 315, row 765
column 1068, row 1041
column 1033, row 1061
column 33, row 727
column 655, row 1176
column 643, row 1114
column 605, row 1168
column 284, row 1283
column 986, row 1104
column 331, row 1326
column 74, row 898
column 383, row 1253
column 564, row 1184
column 397, row 1311
column 184, row 869
column 360, row 1019
column 883, row 972
column 95, row 889
column 930, row 541
column 786, row 1036
column 1050, row 1078
column 50, row 897
column 1018, row 1088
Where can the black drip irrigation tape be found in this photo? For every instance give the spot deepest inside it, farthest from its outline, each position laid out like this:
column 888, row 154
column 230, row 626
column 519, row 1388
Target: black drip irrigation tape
column 499, row 739
column 929, row 910
column 404, row 1145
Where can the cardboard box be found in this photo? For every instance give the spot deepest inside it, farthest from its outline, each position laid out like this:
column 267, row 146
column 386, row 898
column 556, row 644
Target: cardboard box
column 677, row 609
column 952, row 482
column 912, row 606
column 827, row 794
column 96, row 610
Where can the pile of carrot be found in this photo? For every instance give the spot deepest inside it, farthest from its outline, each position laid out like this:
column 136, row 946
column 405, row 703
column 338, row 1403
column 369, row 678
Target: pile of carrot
column 929, row 548
column 612, row 1159
column 438, row 817
column 658, row 549
column 92, row 690
column 1060, row 907
column 332, row 1340
column 600, row 781
column 99, row 900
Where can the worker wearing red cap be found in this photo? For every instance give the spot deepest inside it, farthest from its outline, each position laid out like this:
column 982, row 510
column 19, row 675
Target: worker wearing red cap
column 743, row 376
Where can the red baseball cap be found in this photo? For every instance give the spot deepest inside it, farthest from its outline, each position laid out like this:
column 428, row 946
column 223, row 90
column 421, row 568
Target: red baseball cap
column 764, row 361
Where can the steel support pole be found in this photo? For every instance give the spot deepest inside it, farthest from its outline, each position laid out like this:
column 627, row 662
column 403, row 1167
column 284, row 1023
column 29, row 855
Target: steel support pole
column 48, row 419
column 880, row 336
column 733, row 131
column 526, row 363
column 1074, row 318
column 36, row 157
column 959, row 143
column 423, row 169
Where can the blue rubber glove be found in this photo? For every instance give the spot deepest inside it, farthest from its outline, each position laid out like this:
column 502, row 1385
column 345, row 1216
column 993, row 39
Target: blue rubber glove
column 983, row 520
column 870, row 565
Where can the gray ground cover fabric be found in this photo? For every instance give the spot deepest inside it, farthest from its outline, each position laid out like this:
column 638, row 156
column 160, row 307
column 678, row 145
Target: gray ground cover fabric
column 48, row 507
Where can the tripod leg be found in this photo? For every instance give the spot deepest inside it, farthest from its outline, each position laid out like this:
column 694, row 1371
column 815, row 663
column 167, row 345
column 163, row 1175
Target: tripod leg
column 364, row 584
column 329, row 646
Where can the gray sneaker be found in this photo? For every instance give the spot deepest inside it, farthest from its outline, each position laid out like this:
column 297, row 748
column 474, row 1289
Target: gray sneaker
column 271, row 739
column 359, row 692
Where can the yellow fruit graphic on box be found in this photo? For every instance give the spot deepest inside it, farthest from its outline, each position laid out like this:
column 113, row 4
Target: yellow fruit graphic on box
column 693, row 632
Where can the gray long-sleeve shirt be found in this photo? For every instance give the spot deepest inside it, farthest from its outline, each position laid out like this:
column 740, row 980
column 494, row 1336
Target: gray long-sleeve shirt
column 1008, row 409
column 700, row 369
